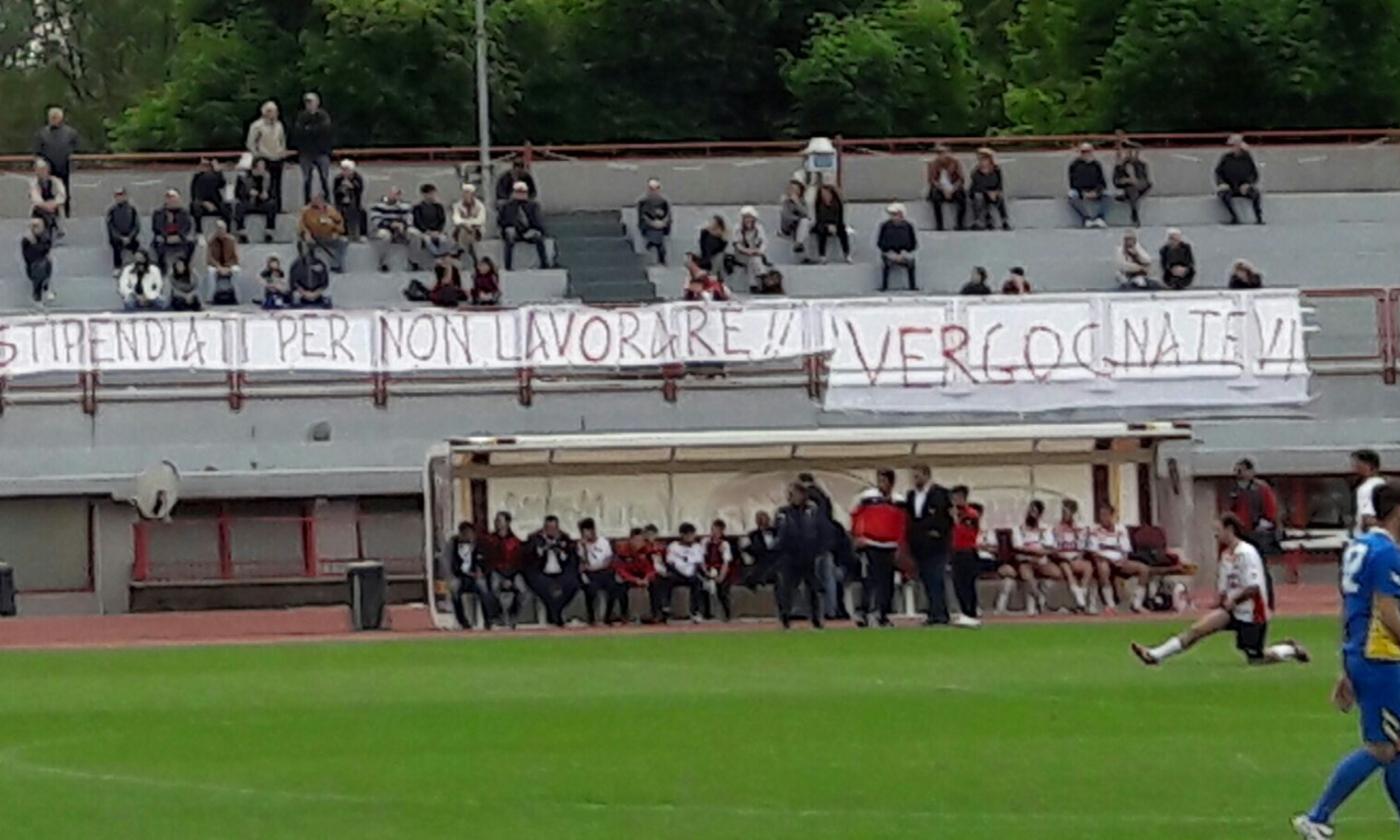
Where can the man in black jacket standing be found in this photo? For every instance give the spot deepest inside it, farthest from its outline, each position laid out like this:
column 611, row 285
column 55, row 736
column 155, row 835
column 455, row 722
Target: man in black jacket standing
column 804, row 534
column 551, row 569
column 56, row 143
column 930, row 509
column 314, row 142
column 467, row 559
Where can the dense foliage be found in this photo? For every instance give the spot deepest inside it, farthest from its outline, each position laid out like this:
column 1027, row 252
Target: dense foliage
column 179, row 74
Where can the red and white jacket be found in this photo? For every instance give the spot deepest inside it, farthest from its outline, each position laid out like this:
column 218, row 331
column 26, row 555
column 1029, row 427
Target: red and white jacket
column 879, row 521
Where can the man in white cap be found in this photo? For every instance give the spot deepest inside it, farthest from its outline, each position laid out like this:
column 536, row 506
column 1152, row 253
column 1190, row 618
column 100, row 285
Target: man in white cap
column 898, row 242
column 521, row 222
column 750, row 245
column 469, row 221
column 1236, row 176
column 1088, row 189
column 349, row 192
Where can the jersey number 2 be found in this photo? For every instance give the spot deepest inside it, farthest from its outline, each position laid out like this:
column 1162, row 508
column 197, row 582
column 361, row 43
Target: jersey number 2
column 1352, row 561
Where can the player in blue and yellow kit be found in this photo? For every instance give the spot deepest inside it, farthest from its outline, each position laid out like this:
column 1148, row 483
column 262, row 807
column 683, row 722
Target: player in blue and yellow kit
column 1371, row 661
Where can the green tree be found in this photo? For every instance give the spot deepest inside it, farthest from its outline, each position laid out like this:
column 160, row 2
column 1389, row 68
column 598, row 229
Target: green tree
column 904, row 68
column 1056, row 51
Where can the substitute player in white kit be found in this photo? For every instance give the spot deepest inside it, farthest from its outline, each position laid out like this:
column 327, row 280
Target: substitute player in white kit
column 1243, row 610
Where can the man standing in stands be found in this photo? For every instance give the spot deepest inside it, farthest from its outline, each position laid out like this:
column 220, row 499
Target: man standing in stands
column 551, row 569
column 878, row 526
column 315, row 139
column 56, row 143
column 1088, row 188
column 804, row 534
column 930, row 510
column 596, row 561
column 471, row 576
column 123, row 230
column 1236, row 176
column 267, row 142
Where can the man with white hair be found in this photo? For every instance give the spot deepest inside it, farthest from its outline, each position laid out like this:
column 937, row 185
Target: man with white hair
column 267, row 141
column 1236, row 176
column 520, row 222
column 47, row 197
column 349, row 192
column 469, row 221
column 654, row 219
column 1178, row 262
column 1088, row 188
column 898, row 242
column 56, row 143
column 172, row 231
column 315, row 140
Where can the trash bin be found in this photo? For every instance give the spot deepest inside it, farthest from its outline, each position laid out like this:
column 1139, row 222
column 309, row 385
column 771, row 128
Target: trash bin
column 369, row 593
column 7, row 590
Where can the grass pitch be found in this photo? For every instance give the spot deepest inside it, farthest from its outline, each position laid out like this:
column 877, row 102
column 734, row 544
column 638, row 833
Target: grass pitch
column 1049, row 731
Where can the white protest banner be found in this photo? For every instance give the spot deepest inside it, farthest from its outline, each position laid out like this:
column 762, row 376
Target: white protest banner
column 1061, row 351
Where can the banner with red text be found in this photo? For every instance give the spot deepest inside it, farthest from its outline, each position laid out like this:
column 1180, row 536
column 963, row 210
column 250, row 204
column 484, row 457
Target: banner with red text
column 907, row 354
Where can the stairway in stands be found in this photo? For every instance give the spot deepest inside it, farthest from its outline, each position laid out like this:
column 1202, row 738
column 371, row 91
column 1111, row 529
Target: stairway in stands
column 602, row 266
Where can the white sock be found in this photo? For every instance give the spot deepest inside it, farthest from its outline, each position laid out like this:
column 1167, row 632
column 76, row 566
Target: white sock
column 1008, row 585
column 1171, row 647
column 1283, row 653
column 1079, row 596
column 1110, row 598
column 1139, row 595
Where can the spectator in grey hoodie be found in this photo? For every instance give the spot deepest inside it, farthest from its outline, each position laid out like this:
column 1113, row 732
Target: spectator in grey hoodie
column 123, row 229
column 654, row 219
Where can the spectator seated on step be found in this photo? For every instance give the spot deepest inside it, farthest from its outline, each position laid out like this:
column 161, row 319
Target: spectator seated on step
column 429, row 230
column 262, row 201
column 310, row 280
column 184, row 288
column 505, row 185
column 521, row 221
column 1016, row 282
column 207, row 194
column 276, row 291
column 1245, row 277
column 486, row 283
column 1237, row 176
column 701, row 285
column 47, row 196
column 898, row 243
column 795, row 218
column 976, row 285
column 322, row 227
column 769, row 283
column 172, row 231
column 140, row 285
column 1088, row 191
column 831, row 222
column 750, row 245
column 1178, row 262
column 946, row 186
column 447, row 291
column 469, row 221
column 1133, row 264
column 223, row 266
column 714, row 245
column 988, row 193
column 391, row 218
column 123, row 229
column 348, row 188
column 1131, row 177
column 654, row 219
column 35, row 247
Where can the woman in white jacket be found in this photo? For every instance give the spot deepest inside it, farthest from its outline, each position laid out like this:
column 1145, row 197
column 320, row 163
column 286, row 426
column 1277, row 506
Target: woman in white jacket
column 1133, row 263
column 140, row 284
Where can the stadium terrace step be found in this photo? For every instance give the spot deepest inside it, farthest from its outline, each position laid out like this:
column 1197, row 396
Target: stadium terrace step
column 602, row 266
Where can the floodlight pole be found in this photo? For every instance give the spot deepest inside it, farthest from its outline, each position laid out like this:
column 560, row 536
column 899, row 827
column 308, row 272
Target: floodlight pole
column 483, row 97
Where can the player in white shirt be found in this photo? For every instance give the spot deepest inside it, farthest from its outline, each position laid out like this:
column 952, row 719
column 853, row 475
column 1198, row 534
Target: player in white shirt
column 1243, row 608
column 1366, row 464
column 595, row 556
column 1110, row 549
column 1032, row 544
column 684, row 569
column 1069, row 542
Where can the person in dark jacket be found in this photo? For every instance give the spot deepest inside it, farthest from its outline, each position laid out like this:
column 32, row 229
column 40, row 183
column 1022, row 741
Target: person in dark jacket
column 35, row 246
column 207, row 194
column 977, row 283
column 123, row 229
column 930, row 510
column 1236, row 176
column 315, row 139
column 551, row 569
column 987, row 191
column 803, row 535
column 761, row 548
column 172, row 231
column 310, row 279
column 838, row 567
column 878, row 528
column 898, row 242
column 261, row 201
column 505, row 185
column 654, row 220
column 1178, row 262
column 56, row 143
column 831, row 221
column 714, row 244
column 1245, row 277
column 466, row 557
column 1087, row 188
column 349, row 194
column 428, row 235
column 1131, row 178
column 520, row 222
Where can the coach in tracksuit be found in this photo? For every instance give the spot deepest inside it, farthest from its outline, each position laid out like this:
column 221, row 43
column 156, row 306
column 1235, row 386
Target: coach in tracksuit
column 804, row 535
column 551, row 569
column 930, row 510
column 471, row 576
column 878, row 526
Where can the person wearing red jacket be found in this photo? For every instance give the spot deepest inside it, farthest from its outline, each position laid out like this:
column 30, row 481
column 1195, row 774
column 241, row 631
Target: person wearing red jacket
column 878, row 526
column 503, row 551
column 967, row 563
column 634, row 568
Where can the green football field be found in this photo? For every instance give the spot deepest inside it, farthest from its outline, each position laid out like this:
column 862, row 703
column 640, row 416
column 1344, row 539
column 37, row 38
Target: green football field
column 1029, row 731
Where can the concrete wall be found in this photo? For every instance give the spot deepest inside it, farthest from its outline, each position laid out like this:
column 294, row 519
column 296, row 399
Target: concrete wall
column 572, row 185
column 113, row 555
